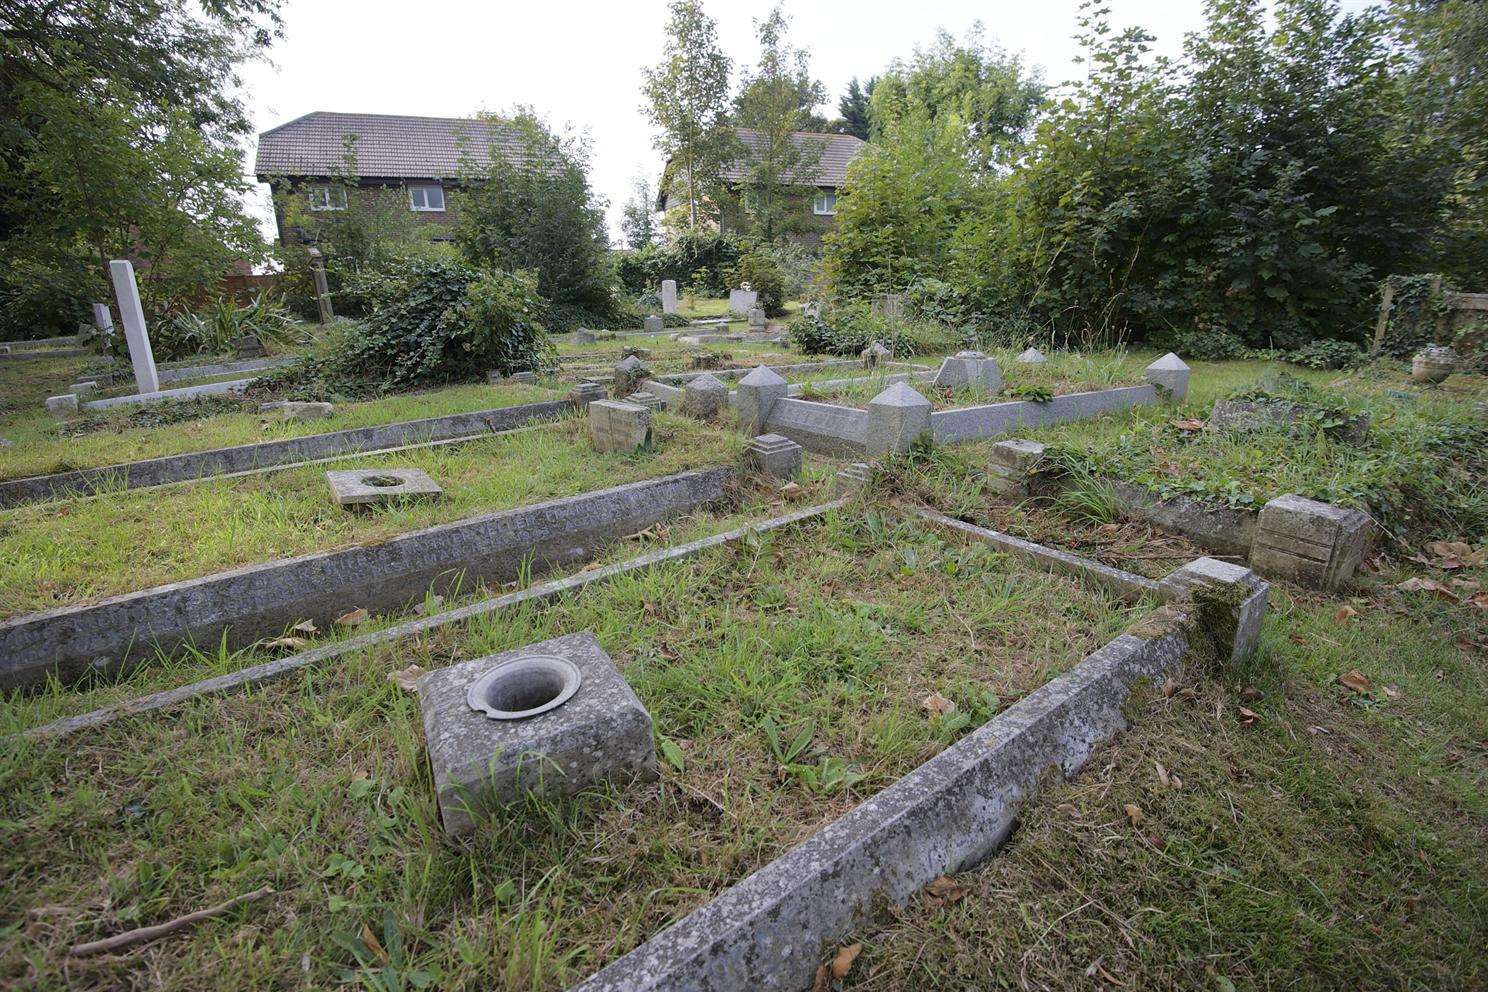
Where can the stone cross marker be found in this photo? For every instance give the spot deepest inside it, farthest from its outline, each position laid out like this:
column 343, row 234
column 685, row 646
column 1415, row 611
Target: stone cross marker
column 133, row 317
column 669, row 296
column 322, row 289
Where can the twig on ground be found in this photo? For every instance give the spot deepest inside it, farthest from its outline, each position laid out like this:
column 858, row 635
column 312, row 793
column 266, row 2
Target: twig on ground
column 146, row 934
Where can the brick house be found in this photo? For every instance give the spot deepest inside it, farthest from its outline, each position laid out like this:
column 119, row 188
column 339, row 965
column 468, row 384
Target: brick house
column 813, row 215
column 322, row 163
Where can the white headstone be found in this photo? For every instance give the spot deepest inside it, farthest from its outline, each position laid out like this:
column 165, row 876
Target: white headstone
column 103, row 320
column 133, row 317
column 741, row 301
column 669, row 296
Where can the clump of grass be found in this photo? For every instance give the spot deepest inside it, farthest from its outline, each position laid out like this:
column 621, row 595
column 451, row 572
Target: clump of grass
column 1088, row 499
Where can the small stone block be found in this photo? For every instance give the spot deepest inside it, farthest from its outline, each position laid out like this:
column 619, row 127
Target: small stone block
column 586, row 392
column 897, row 417
column 62, row 407
column 582, row 336
column 756, row 396
column 84, row 388
column 1018, row 454
column 495, row 378
column 1249, row 594
column 654, row 323
column 704, row 397
column 1311, row 543
column 295, row 410
column 631, row 351
column 873, row 354
column 645, row 399
column 757, row 322
column 375, row 486
column 615, row 425
column 523, row 377
column 600, row 733
column 1032, row 356
column 774, row 455
column 1170, row 374
column 854, row 478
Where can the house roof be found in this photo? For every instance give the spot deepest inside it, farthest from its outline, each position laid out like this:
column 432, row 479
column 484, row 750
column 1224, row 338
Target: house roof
column 387, row 146
column 831, row 170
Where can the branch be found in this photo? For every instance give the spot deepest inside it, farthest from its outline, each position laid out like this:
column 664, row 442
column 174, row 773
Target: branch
column 146, row 934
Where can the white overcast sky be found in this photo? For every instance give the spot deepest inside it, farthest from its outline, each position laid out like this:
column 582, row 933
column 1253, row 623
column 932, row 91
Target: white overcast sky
column 579, row 62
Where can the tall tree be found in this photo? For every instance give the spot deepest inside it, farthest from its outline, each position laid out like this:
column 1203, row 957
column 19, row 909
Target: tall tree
column 856, row 108
column 687, row 100
column 637, row 220
column 993, row 94
column 536, row 211
column 777, row 100
column 122, row 116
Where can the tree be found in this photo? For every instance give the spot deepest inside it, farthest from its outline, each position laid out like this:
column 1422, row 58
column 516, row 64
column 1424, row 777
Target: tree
column 535, row 210
column 124, row 114
column 637, row 219
column 856, row 109
column 776, row 101
column 991, row 93
column 687, row 100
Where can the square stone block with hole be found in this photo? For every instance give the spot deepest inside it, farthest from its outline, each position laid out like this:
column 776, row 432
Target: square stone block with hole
column 373, row 486
column 774, row 455
column 616, row 425
column 551, row 718
column 1310, row 543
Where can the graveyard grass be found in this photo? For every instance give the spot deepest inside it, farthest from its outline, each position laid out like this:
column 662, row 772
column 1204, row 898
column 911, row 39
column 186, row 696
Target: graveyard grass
column 56, row 554
column 785, row 675
column 39, row 448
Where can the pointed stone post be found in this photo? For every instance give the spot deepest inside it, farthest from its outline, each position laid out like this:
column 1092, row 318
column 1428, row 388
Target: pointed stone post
column 1170, row 374
column 756, row 397
column 322, row 288
column 896, row 418
column 1032, row 356
column 121, row 271
column 704, row 396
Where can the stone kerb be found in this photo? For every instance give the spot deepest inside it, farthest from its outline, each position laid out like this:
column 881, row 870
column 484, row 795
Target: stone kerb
column 897, row 417
column 704, row 397
column 1170, row 375
column 774, row 455
column 756, row 397
column 969, row 368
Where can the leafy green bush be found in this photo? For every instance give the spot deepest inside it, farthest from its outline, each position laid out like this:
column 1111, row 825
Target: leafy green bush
column 698, row 262
column 211, row 331
column 1211, row 345
column 1327, row 354
column 759, row 270
column 848, row 329
column 437, row 322
column 648, row 303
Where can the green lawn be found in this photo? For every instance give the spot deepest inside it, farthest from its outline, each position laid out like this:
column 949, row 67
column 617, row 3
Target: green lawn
column 785, row 677
column 65, row 553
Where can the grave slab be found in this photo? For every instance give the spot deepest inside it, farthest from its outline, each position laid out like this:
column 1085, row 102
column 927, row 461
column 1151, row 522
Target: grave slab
column 618, row 426
column 378, row 486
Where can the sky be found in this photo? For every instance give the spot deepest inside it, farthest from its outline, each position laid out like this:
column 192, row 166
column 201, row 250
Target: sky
column 579, row 62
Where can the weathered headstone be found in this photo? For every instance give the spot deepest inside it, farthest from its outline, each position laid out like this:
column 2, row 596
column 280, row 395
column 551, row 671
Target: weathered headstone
column 874, row 354
column 654, row 324
column 249, row 346
column 669, row 296
column 756, row 396
column 62, row 407
column 615, row 425
column 103, row 320
column 322, row 288
column 551, row 719
column 583, row 336
column 887, row 305
column 897, row 417
column 969, row 368
column 741, row 301
column 774, row 455
column 527, row 377
column 1311, row 543
column 1032, row 356
column 1170, row 374
column 1276, row 413
column 757, row 320
column 704, row 397
column 495, row 378
column 121, row 271
column 296, row 410
column 629, row 374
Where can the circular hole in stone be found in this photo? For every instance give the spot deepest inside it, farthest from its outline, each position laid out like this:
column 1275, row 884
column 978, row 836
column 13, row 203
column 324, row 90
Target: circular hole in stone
column 381, row 481
column 524, row 687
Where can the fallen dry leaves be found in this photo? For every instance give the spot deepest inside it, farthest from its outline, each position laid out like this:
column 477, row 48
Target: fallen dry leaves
column 1248, row 716
column 1357, row 681
column 288, row 643
column 354, row 618
column 842, row 963
column 944, row 890
column 1189, row 425
column 937, row 705
column 406, row 678
column 1134, row 814
column 1345, row 614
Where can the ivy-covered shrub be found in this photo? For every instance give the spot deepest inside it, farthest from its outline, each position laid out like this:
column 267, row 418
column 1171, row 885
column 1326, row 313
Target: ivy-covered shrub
column 1204, row 345
column 648, row 303
column 1417, row 311
column 848, row 329
column 698, row 262
column 757, row 268
column 1327, row 354
column 438, row 322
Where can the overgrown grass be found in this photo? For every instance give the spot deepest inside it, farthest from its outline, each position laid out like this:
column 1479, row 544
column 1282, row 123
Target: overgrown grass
column 39, row 449
column 824, row 640
column 69, row 552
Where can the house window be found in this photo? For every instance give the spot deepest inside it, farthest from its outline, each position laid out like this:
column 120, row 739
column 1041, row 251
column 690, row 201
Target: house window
column 824, row 204
column 426, row 198
column 327, row 197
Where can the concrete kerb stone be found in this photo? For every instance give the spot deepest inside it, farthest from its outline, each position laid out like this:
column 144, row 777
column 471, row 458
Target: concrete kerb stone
column 168, row 395
column 774, row 455
column 755, row 398
column 601, row 732
column 618, row 426
column 1170, row 375
column 897, row 417
column 280, row 668
column 704, row 397
column 1242, row 598
column 63, row 407
column 244, row 604
column 196, row 465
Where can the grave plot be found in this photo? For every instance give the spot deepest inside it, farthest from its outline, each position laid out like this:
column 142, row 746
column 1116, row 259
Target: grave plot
column 39, row 446
column 68, row 553
column 789, row 679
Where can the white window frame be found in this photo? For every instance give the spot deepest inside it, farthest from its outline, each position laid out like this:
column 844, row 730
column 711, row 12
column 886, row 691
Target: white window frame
column 321, row 197
column 827, row 199
column 424, row 188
